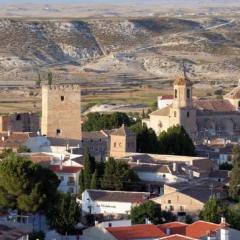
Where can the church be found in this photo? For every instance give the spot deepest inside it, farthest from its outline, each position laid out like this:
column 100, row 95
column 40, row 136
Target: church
column 201, row 118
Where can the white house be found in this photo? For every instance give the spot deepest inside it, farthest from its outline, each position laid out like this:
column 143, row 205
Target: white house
column 164, row 101
column 111, row 203
column 69, row 177
column 165, row 173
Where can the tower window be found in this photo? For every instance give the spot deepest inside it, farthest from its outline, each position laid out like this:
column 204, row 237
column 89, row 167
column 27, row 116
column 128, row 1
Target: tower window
column 175, row 114
column 239, row 104
column 188, row 114
column 18, row 117
column 58, row 132
column 188, row 93
column 62, row 98
column 175, row 93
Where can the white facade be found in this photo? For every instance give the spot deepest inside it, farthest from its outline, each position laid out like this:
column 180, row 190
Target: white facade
column 159, row 177
column 102, row 207
column 162, row 103
column 69, row 182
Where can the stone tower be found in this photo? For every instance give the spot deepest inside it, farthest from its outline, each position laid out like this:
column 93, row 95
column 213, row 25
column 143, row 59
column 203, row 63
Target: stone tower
column 61, row 111
column 182, row 111
column 122, row 141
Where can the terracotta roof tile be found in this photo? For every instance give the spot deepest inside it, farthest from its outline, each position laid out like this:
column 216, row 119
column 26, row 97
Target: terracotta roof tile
column 175, row 227
column 146, row 167
column 65, row 169
column 178, row 237
column 166, row 97
column 136, row 232
column 213, row 105
column 123, row 131
column 200, row 229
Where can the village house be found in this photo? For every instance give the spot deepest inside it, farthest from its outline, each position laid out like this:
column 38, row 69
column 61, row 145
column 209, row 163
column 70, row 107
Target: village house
column 124, row 230
column 189, row 197
column 69, row 177
column 113, row 204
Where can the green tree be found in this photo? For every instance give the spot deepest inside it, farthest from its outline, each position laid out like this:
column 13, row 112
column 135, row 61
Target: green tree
column 37, row 235
column 234, row 184
column 147, row 141
column 118, row 176
column 23, row 149
column 234, row 216
column 50, row 78
column 81, row 182
column 213, row 210
column 94, row 181
column 65, row 215
column 25, row 185
column 97, row 121
column 176, row 141
column 89, row 168
column 150, row 210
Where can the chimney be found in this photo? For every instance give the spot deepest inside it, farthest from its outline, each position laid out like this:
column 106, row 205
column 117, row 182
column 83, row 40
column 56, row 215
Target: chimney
column 174, row 167
column 168, row 231
column 147, row 221
column 9, row 133
column 224, row 231
column 212, row 236
column 61, row 163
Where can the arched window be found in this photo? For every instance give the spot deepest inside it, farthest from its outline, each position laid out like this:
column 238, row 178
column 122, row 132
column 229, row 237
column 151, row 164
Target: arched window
column 188, row 93
column 18, row 117
column 175, row 93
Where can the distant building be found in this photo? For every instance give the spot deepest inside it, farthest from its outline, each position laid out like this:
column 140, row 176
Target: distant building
column 61, row 111
column 20, row 122
column 199, row 230
column 201, row 118
column 111, row 203
column 122, row 141
column 69, row 177
column 189, row 197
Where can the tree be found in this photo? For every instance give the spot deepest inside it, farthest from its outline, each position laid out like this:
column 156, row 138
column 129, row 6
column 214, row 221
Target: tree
column 23, row 149
column 94, row 180
column 176, row 141
column 118, row 176
column 65, row 215
column 50, row 78
column 97, row 121
column 234, row 184
column 213, row 210
column 147, row 141
column 37, row 235
column 25, row 185
column 89, row 168
column 151, row 211
column 81, row 181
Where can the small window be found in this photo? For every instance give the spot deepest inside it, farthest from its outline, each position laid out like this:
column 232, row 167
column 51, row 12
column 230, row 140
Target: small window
column 188, row 114
column 175, row 93
column 181, row 208
column 171, row 208
column 239, row 104
column 164, row 175
column 175, row 114
column 115, row 144
column 18, row 117
column 62, row 178
column 169, row 201
column 62, row 98
column 58, row 132
column 188, row 93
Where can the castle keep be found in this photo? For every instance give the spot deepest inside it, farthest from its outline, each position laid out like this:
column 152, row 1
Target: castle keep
column 61, row 111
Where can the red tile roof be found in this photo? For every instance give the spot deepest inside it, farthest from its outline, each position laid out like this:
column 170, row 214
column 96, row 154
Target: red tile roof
column 41, row 158
column 201, row 228
column 65, row 169
column 178, row 237
column 136, row 232
column 166, row 97
column 175, row 227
